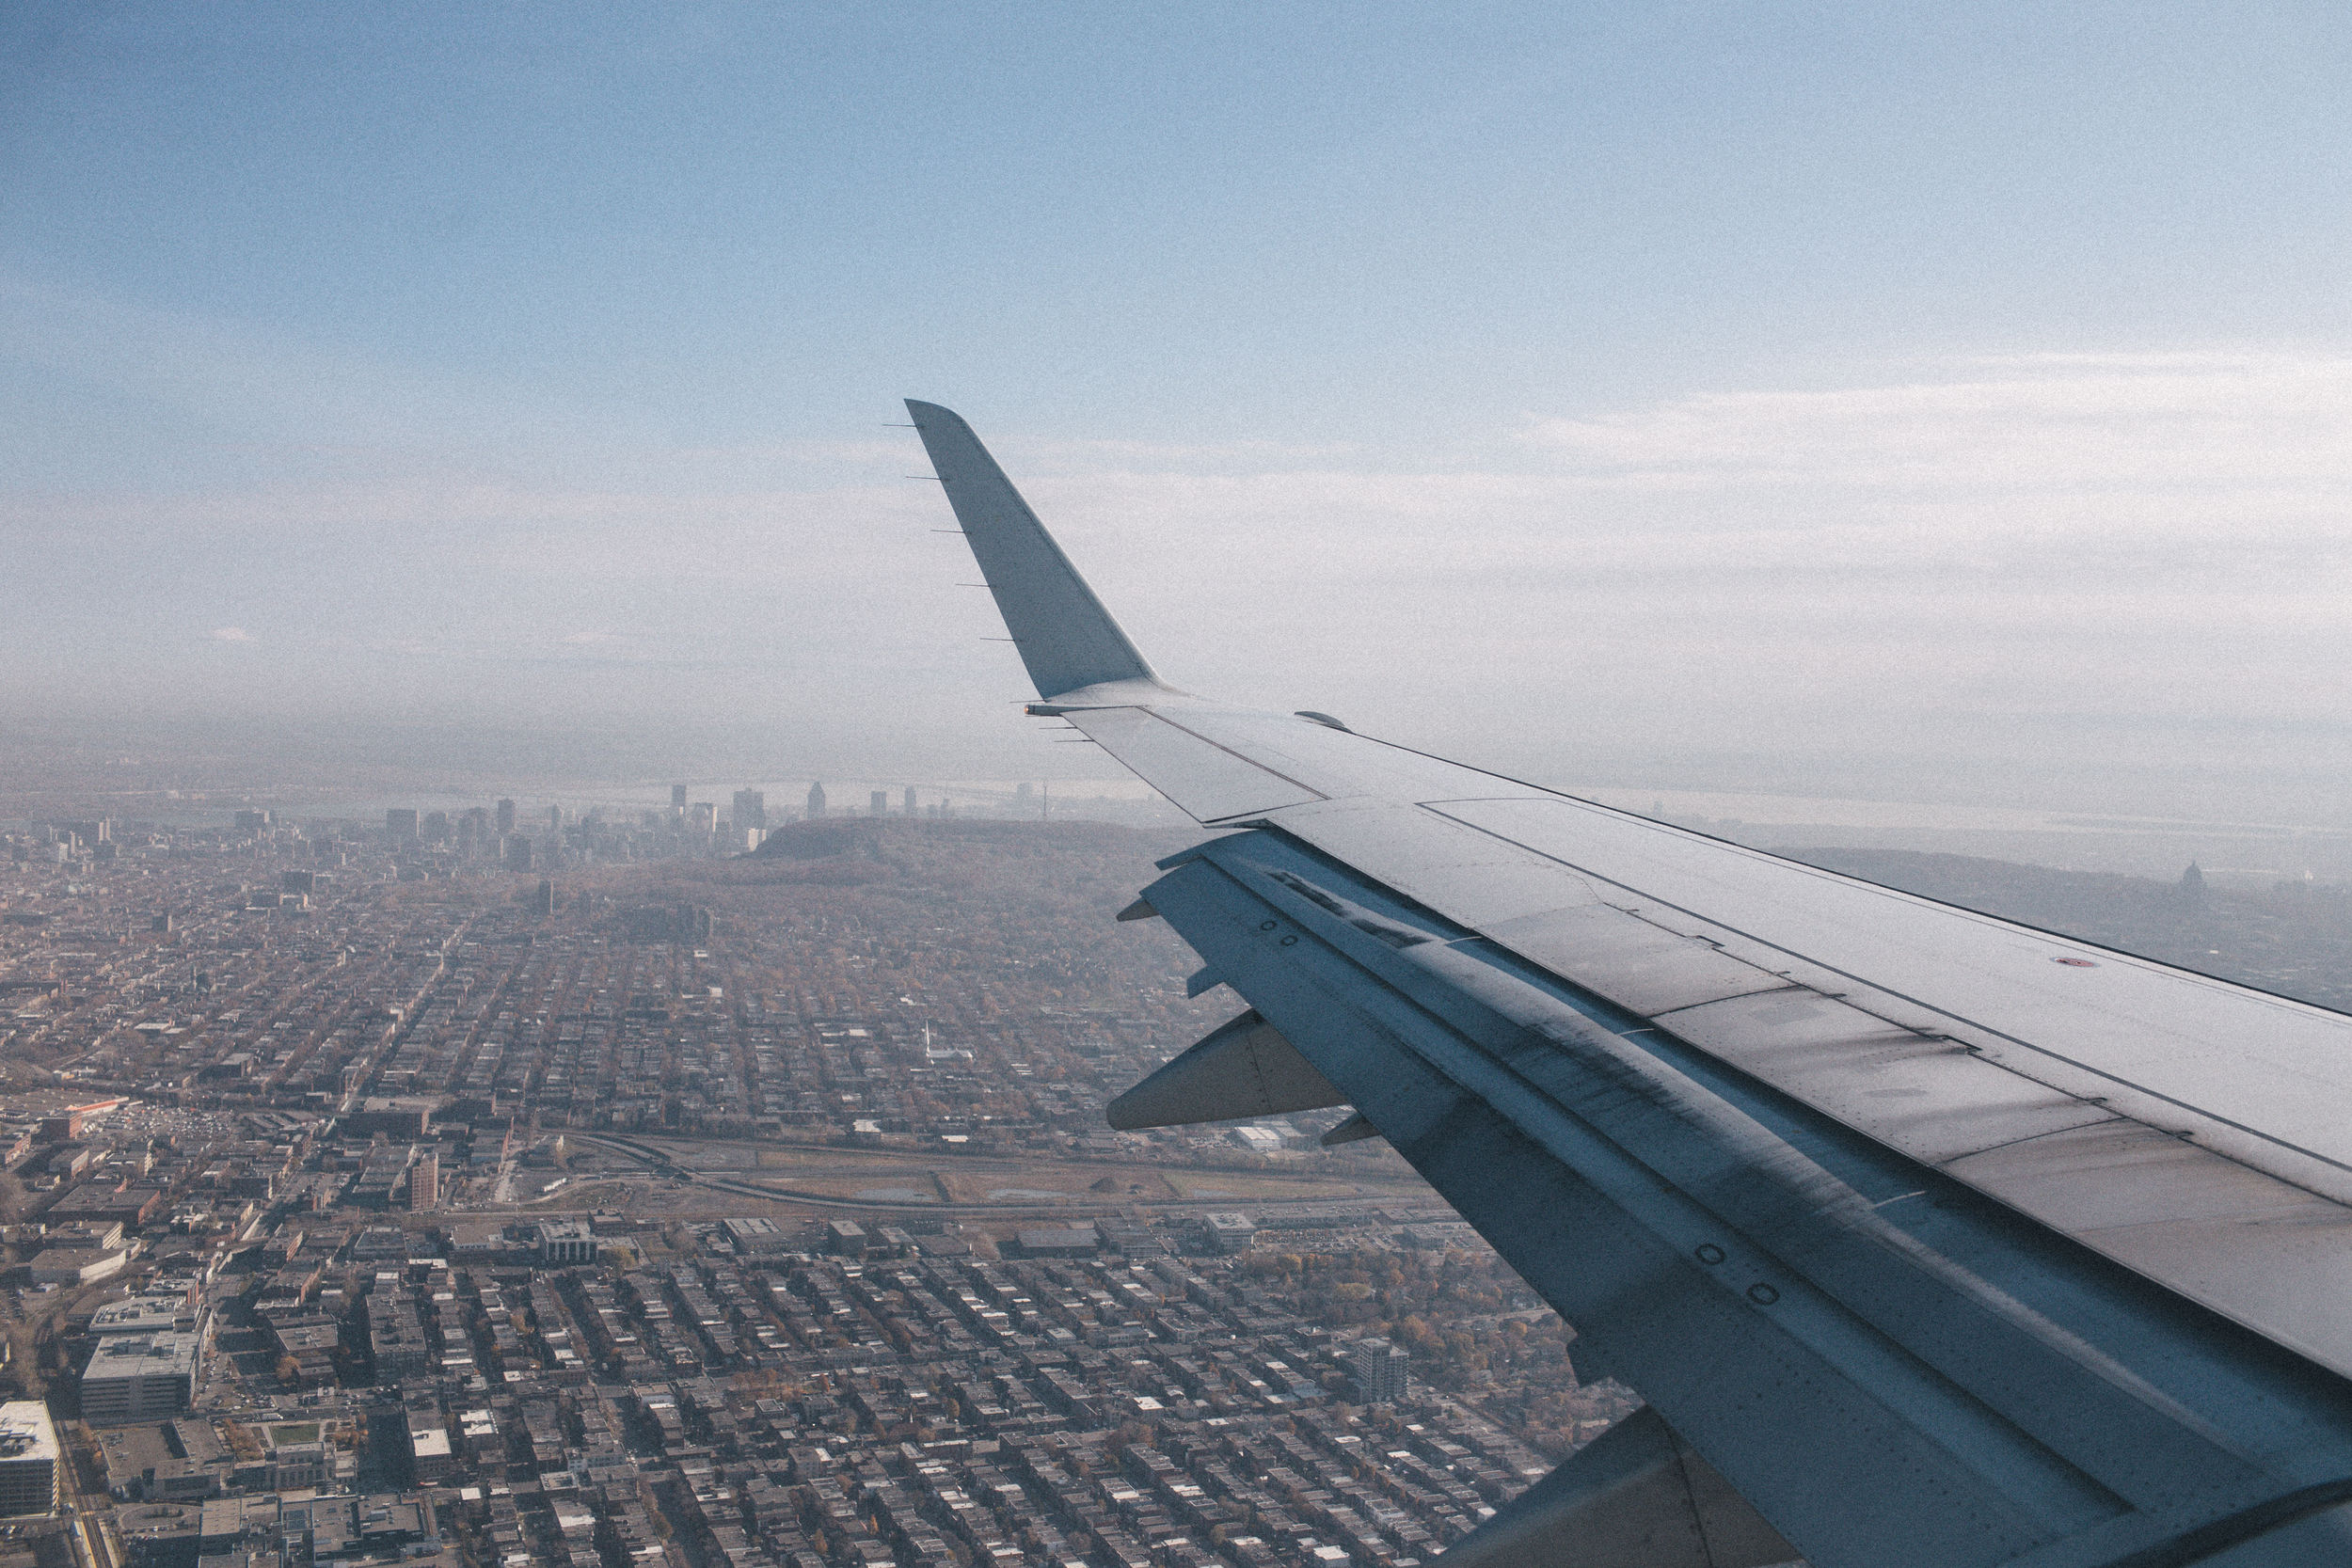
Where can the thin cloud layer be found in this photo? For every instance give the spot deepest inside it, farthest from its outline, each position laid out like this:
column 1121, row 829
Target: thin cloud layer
column 1965, row 559
column 2133, row 424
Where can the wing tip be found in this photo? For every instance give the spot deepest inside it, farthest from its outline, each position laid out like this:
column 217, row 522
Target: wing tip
column 1067, row 639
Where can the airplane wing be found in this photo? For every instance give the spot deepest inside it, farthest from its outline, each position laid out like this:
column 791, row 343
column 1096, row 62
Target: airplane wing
column 1931, row 1240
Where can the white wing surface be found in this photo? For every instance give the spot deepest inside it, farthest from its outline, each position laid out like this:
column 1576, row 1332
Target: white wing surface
column 1931, row 1238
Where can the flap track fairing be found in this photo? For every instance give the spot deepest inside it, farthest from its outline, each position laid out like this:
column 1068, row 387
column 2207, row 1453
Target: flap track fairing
column 1243, row 1068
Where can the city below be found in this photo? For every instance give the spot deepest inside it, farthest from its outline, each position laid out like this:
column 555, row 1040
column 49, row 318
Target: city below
column 730, row 1189
column 725, row 1186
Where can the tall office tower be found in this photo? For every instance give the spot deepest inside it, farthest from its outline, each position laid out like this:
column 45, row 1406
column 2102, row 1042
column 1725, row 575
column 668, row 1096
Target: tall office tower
column 400, row 826
column 424, row 1182
column 517, row 853
column 555, row 819
column 816, row 802
column 702, row 817
column 543, row 901
column 436, row 827
column 506, row 817
column 750, row 810
column 1381, row 1371
column 910, row 799
column 878, row 803
column 677, row 799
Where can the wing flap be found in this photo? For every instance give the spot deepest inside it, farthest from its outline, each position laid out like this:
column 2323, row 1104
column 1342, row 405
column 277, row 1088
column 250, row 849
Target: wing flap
column 1933, row 1099
column 2261, row 1074
column 1632, row 961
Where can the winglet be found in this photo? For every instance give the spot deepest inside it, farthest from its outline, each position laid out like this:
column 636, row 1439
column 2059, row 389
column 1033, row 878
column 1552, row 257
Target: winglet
column 1066, row 637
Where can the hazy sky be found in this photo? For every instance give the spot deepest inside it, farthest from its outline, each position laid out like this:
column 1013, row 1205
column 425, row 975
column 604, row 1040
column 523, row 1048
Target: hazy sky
column 1943, row 401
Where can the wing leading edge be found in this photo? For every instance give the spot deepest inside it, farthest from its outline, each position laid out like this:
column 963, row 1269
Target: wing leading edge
column 1931, row 1256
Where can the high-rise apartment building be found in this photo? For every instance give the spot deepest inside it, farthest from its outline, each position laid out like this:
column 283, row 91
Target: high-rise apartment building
column 1381, row 1371
column 425, row 1180
column 816, row 802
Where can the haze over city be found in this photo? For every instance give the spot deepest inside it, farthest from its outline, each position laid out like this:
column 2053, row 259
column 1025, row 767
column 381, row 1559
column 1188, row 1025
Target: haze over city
column 1824, row 400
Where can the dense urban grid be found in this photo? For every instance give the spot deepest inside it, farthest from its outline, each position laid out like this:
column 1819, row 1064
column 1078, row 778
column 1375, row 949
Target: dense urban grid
column 693, row 1188
column 559, row 1191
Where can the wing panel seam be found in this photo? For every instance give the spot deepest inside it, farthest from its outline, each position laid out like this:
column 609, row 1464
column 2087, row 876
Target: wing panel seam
column 1241, row 756
column 2254, row 1132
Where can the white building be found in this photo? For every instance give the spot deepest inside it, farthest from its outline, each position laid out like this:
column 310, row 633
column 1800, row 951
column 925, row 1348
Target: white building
column 29, row 1459
column 66, row 1265
column 1258, row 1140
column 147, row 1314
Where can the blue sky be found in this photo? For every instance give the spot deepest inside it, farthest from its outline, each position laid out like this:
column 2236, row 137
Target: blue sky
column 1549, row 384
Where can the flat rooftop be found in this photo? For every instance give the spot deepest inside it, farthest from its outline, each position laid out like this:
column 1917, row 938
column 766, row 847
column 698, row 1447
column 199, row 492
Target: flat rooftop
column 27, row 1432
column 143, row 1355
column 138, row 1314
